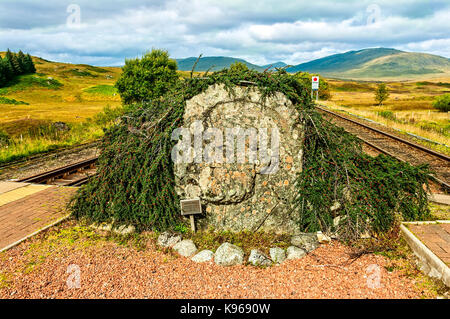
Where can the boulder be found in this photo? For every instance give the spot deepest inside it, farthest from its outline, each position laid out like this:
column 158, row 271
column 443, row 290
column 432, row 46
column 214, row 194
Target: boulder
column 306, row 241
column 203, row 256
column 295, row 252
column 257, row 258
column 229, row 255
column 125, row 230
column 185, row 248
column 168, row 239
column 277, row 254
column 254, row 189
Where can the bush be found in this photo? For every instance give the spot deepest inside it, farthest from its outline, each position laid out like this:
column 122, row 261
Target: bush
column 442, row 103
column 387, row 115
column 147, row 78
column 5, row 140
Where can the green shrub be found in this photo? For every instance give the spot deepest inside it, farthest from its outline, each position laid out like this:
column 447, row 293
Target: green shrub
column 442, row 103
column 5, row 140
column 4, row 100
column 147, row 78
column 387, row 115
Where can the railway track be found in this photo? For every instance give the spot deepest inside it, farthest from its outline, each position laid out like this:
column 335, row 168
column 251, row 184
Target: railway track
column 71, row 175
column 395, row 146
column 48, row 156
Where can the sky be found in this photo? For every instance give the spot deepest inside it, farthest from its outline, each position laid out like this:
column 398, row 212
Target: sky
column 106, row 32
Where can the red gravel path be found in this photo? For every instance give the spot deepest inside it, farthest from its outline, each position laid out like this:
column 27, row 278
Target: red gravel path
column 109, row 270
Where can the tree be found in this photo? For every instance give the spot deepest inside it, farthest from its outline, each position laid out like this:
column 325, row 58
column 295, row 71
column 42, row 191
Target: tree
column 14, row 62
column 147, row 78
column 442, row 103
column 381, row 94
column 30, row 64
column 22, row 63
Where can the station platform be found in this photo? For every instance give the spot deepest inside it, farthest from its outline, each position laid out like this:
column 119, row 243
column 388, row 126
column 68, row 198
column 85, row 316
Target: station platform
column 27, row 208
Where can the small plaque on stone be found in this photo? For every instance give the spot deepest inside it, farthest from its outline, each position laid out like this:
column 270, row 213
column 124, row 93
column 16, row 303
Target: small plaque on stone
column 190, row 207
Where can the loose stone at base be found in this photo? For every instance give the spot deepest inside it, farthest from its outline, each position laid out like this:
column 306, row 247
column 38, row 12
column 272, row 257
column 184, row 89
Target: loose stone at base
column 203, row 256
column 257, row 258
column 185, row 248
column 229, row 255
column 277, row 254
column 295, row 252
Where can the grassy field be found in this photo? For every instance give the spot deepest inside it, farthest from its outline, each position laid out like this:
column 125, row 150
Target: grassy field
column 58, row 92
column 409, row 107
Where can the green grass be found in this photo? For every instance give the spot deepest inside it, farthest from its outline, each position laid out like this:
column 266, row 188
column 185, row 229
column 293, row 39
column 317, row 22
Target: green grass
column 76, row 72
column 25, row 82
column 103, row 89
column 5, row 100
column 43, row 138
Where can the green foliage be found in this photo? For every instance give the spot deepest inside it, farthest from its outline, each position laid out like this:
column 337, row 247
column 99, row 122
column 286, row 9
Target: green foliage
column 368, row 194
column 387, row 115
column 442, row 103
column 5, row 140
column 324, row 90
column 4, row 100
column 13, row 65
column 136, row 181
column 109, row 115
column 381, row 93
column 26, row 82
column 147, row 78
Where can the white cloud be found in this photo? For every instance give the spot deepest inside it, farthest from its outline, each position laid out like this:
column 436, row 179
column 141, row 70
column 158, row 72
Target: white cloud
column 260, row 31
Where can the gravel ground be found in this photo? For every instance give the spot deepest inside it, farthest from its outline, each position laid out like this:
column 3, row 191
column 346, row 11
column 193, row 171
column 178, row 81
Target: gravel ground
column 38, row 268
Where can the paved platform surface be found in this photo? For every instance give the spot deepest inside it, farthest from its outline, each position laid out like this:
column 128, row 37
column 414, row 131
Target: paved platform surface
column 440, row 199
column 436, row 237
column 26, row 208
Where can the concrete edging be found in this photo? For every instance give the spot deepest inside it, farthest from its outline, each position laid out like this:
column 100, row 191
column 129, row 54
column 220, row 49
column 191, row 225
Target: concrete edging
column 430, row 263
column 35, row 233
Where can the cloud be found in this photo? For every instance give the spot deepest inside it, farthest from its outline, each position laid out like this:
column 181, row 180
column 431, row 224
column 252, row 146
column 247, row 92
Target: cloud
column 260, row 31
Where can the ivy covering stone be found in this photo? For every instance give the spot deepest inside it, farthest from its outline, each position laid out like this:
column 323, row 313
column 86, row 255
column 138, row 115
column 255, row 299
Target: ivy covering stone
column 340, row 190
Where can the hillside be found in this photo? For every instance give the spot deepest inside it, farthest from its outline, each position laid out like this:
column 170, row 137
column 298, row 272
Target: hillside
column 378, row 63
column 57, row 92
column 213, row 63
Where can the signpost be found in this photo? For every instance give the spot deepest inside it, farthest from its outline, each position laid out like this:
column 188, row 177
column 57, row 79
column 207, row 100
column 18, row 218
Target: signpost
column 315, row 87
column 191, row 207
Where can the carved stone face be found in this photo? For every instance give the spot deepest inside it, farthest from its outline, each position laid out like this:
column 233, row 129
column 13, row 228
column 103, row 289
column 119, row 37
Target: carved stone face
column 245, row 154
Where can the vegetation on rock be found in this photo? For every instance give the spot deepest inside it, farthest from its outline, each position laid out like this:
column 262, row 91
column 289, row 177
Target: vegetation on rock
column 135, row 182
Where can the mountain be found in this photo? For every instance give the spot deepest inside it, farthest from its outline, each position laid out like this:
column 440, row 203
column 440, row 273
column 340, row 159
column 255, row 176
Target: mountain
column 377, row 63
column 213, row 63
column 272, row 66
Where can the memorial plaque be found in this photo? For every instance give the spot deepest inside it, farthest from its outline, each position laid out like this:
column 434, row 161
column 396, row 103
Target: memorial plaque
column 190, row 207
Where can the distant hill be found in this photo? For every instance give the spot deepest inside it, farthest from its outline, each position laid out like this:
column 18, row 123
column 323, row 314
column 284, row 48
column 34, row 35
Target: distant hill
column 213, row 63
column 272, row 66
column 377, row 63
